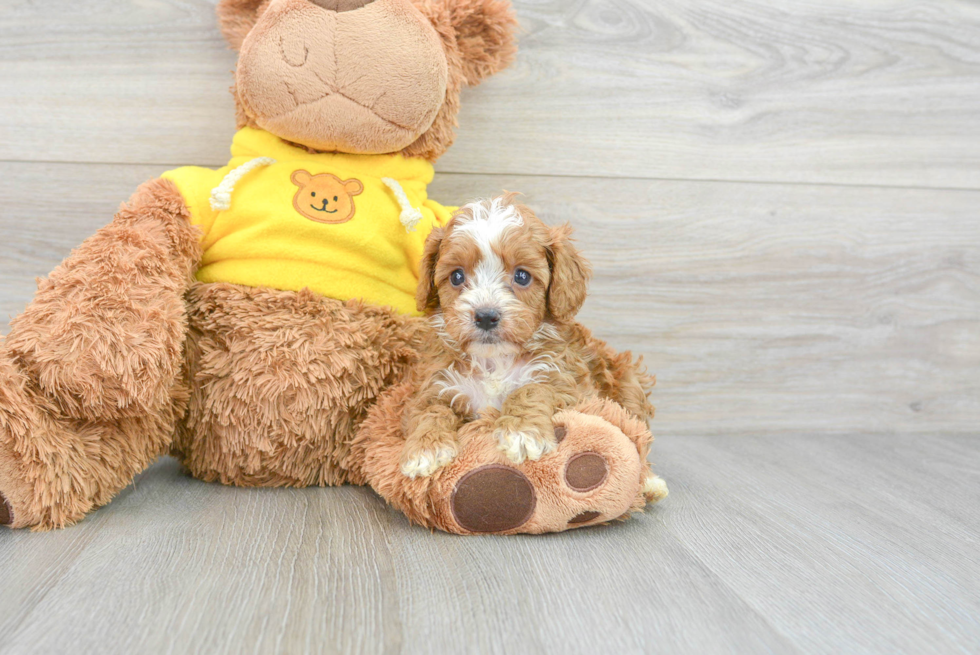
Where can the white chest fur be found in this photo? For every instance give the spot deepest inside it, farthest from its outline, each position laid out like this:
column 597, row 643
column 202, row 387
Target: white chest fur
column 490, row 380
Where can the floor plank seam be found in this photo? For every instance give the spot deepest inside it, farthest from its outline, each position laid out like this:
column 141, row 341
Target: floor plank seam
column 556, row 176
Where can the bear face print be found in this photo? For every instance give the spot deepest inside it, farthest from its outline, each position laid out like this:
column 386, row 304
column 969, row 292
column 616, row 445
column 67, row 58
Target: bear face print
column 325, row 198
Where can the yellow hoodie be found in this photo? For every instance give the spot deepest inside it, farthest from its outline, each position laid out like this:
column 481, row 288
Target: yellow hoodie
column 345, row 226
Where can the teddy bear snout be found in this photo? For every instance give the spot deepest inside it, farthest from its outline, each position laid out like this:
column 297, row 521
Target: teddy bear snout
column 341, row 5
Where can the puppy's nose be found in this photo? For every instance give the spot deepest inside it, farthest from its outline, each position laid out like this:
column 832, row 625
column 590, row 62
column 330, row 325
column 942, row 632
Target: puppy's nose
column 487, row 319
column 341, row 5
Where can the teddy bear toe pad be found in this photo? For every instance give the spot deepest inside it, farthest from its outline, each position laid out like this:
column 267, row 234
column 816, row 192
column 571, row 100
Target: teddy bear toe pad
column 586, row 471
column 493, row 498
column 584, row 517
column 6, row 516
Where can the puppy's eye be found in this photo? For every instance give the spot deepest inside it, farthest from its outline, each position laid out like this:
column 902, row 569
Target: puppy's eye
column 457, row 277
column 335, row 198
column 313, row 193
column 522, row 278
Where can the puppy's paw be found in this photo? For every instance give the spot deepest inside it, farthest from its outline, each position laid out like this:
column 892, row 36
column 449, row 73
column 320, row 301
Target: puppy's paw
column 423, row 462
column 520, row 445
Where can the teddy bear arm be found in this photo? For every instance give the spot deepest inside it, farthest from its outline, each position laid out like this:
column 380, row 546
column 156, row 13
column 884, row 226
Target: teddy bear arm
column 103, row 337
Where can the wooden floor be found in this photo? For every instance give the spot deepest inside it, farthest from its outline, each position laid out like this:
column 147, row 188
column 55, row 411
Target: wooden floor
column 782, row 204
column 806, row 543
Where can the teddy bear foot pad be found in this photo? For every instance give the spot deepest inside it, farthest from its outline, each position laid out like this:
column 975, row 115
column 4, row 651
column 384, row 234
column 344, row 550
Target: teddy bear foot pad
column 493, row 498
column 594, row 476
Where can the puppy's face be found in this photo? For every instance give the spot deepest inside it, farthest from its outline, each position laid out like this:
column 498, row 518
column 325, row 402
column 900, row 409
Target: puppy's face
column 495, row 273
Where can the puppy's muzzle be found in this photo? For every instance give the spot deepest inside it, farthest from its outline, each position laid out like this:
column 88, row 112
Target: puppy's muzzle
column 487, row 319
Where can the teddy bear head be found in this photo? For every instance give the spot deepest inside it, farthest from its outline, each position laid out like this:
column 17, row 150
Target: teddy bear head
column 363, row 76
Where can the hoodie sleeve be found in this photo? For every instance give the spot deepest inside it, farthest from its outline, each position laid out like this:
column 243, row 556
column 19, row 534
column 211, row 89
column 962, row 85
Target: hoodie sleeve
column 442, row 213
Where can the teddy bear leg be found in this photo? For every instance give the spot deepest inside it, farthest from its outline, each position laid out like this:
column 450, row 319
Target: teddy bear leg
column 598, row 473
column 91, row 382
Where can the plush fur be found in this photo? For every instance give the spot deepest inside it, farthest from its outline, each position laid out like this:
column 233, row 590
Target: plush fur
column 122, row 356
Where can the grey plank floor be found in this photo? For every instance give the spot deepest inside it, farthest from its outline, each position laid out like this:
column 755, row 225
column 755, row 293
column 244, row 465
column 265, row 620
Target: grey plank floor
column 789, row 543
column 780, row 201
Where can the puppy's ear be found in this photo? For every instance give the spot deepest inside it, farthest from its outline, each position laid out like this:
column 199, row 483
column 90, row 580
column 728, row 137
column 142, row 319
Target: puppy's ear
column 484, row 36
column 236, row 18
column 570, row 275
column 427, row 294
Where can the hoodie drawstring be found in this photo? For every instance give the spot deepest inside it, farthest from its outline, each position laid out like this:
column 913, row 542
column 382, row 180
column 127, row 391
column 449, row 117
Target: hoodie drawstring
column 410, row 216
column 221, row 194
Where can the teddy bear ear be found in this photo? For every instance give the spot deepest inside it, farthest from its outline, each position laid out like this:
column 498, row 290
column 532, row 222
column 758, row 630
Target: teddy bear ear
column 236, row 18
column 300, row 178
column 484, row 36
column 353, row 187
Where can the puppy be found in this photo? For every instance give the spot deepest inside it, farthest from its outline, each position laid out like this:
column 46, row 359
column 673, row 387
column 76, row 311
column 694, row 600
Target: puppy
column 502, row 289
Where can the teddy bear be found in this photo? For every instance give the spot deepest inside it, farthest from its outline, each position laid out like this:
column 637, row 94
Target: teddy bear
column 246, row 320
